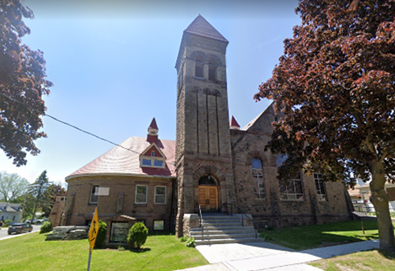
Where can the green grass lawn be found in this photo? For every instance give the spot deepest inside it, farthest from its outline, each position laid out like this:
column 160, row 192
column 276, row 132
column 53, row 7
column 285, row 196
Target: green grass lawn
column 361, row 261
column 305, row 237
column 31, row 252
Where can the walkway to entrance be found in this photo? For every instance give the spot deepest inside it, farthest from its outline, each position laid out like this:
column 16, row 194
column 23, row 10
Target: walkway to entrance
column 267, row 256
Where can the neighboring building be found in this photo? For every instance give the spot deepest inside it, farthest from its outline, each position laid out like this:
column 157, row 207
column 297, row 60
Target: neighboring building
column 10, row 211
column 360, row 197
column 212, row 164
column 55, row 216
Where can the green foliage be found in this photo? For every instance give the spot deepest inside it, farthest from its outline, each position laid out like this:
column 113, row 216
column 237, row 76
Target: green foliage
column 333, row 94
column 101, row 235
column 137, row 236
column 22, row 73
column 7, row 223
column 42, row 196
column 12, row 187
column 184, row 238
column 190, row 242
column 121, row 248
column 46, row 227
column 265, row 236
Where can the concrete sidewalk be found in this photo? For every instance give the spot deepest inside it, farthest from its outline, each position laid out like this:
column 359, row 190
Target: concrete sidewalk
column 267, row 256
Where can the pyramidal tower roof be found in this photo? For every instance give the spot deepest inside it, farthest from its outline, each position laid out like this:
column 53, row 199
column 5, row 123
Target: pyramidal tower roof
column 201, row 27
column 153, row 124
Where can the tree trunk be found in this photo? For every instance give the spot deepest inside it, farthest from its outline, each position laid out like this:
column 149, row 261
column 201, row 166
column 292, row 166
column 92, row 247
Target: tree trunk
column 379, row 199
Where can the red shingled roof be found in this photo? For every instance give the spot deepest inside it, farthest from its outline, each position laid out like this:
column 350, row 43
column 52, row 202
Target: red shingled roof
column 124, row 162
column 201, row 27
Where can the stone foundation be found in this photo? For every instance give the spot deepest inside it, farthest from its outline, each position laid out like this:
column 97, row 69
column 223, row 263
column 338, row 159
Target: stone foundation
column 190, row 221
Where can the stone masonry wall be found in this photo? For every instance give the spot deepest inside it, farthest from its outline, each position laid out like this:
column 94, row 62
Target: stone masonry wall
column 280, row 213
column 120, row 201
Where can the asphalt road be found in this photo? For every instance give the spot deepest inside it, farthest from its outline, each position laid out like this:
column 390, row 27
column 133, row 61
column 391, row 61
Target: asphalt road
column 4, row 234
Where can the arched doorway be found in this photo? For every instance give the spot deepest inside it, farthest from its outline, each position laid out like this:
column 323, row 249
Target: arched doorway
column 208, row 193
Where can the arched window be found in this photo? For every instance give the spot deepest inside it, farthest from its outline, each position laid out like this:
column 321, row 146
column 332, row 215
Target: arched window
column 199, row 66
column 207, row 180
column 257, row 175
column 212, row 70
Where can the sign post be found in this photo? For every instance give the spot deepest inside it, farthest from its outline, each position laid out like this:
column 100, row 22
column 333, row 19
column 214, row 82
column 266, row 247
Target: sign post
column 94, row 229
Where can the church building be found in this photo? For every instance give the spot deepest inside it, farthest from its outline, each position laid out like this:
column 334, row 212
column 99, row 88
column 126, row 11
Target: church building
column 213, row 166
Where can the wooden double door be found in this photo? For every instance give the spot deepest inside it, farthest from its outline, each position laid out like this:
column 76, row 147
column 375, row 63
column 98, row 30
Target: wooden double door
column 208, row 198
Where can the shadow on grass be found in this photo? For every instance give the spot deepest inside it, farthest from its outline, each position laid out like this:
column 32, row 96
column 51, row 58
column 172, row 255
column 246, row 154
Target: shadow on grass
column 141, row 250
column 389, row 254
column 306, row 237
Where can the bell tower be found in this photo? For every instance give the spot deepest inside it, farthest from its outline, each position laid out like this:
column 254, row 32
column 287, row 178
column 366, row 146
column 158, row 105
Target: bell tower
column 203, row 148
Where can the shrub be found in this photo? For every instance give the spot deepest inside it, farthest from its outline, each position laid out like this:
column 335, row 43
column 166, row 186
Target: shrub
column 184, row 238
column 121, row 248
column 101, row 235
column 7, row 223
column 137, row 235
column 190, row 242
column 265, row 236
column 46, row 227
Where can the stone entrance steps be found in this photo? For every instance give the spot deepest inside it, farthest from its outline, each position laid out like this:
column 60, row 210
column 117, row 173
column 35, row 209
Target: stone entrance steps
column 223, row 229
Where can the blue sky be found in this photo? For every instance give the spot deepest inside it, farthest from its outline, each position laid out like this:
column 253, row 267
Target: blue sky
column 113, row 69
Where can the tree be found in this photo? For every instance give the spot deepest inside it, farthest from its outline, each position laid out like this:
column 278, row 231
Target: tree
column 40, row 192
column 12, row 186
column 334, row 92
column 22, row 85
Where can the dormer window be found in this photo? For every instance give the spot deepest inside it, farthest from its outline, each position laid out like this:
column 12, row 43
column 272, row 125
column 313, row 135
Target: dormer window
column 151, row 161
column 158, row 163
column 152, row 157
column 146, row 162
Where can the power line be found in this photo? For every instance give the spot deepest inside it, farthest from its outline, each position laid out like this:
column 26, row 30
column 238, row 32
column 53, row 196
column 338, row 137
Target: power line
column 70, row 125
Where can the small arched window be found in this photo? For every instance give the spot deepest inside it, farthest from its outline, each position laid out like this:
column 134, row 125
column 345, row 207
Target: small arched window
column 199, row 66
column 212, row 70
column 257, row 176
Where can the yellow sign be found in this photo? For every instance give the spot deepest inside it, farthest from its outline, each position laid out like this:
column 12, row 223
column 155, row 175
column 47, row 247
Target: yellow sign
column 94, row 229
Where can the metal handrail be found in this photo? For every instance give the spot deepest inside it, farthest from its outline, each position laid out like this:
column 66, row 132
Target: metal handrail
column 242, row 216
column 201, row 220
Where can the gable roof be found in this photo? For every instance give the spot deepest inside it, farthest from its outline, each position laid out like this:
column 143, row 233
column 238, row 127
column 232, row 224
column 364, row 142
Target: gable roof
column 251, row 123
column 153, row 147
column 201, row 27
column 10, row 207
column 120, row 161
